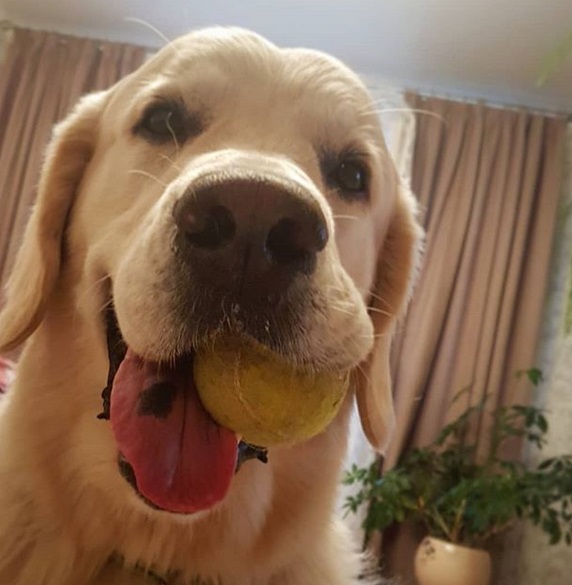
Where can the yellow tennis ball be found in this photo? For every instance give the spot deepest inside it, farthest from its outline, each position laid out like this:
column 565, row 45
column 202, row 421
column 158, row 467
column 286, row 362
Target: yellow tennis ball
column 257, row 394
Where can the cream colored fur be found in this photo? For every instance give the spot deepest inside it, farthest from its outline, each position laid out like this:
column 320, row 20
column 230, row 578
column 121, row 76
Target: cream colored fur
column 104, row 210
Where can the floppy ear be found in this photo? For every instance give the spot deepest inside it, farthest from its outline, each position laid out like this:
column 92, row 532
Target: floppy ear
column 37, row 263
column 397, row 264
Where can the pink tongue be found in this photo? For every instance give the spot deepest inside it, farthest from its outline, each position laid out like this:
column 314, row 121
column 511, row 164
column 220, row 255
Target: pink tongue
column 183, row 461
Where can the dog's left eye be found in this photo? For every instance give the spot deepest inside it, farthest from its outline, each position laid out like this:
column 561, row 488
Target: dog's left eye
column 350, row 177
column 166, row 122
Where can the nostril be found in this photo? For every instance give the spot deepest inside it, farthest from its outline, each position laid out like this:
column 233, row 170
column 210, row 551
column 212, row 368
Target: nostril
column 296, row 241
column 208, row 228
column 282, row 245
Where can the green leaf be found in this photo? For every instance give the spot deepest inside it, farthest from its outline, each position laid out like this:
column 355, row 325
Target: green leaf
column 533, row 374
column 546, row 463
column 542, row 423
column 555, row 60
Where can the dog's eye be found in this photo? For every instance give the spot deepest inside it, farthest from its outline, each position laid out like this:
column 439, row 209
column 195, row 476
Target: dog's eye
column 350, row 178
column 166, row 122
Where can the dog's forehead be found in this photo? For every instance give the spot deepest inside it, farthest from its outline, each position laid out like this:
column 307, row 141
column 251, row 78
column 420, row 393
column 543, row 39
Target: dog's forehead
column 236, row 52
column 213, row 62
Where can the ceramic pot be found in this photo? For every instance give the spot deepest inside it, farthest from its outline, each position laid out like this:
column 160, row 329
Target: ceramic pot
column 441, row 563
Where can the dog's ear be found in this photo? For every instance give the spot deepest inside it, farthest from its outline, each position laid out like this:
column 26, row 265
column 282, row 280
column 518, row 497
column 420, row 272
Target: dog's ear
column 397, row 265
column 37, row 262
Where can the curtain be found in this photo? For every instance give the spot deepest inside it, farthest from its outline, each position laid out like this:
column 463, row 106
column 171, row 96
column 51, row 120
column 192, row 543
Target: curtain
column 488, row 181
column 42, row 75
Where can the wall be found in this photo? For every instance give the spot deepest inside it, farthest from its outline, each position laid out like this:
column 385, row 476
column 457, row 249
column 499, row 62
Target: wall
column 540, row 563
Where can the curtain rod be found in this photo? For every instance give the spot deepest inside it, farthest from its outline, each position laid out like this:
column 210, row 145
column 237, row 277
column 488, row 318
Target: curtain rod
column 567, row 116
column 8, row 27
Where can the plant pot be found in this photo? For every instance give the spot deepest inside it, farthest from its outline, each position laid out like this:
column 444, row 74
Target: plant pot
column 441, row 563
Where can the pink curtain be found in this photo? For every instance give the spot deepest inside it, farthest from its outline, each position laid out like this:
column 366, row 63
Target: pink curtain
column 41, row 77
column 488, row 181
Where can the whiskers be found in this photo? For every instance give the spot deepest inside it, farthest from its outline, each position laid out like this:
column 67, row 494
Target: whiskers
column 108, row 303
column 153, row 177
column 369, row 294
column 377, row 297
column 173, row 135
column 148, row 175
column 86, row 296
column 340, row 308
column 364, row 373
column 379, row 312
column 354, row 217
column 168, row 42
column 171, row 162
column 376, row 108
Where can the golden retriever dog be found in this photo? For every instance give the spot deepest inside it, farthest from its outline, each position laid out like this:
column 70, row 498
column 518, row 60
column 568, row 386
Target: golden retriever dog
column 226, row 186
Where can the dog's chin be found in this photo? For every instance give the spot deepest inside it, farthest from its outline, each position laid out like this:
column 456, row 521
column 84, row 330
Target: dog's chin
column 170, row 450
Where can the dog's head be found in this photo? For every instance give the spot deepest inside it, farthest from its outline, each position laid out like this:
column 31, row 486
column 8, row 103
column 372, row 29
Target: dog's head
column 225, row 186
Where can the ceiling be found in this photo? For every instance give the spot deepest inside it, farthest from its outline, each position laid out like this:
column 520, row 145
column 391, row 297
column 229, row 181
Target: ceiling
column 489, row 49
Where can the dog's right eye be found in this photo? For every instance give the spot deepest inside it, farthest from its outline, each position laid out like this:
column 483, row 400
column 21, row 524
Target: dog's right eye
column 166, row 122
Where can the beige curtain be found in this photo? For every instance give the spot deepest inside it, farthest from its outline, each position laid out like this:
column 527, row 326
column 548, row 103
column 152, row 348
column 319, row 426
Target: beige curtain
column 42, row 76
column 488, row 181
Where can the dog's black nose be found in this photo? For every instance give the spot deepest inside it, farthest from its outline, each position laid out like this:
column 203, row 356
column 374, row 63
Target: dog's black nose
column 252, row 237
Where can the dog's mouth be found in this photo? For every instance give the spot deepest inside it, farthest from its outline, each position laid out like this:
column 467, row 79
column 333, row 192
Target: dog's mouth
column 171, row 451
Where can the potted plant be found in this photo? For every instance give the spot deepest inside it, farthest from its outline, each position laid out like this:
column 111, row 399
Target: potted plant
column 463, row 498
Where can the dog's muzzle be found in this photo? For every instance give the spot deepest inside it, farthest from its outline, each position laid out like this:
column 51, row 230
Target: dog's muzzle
column 244, row 252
